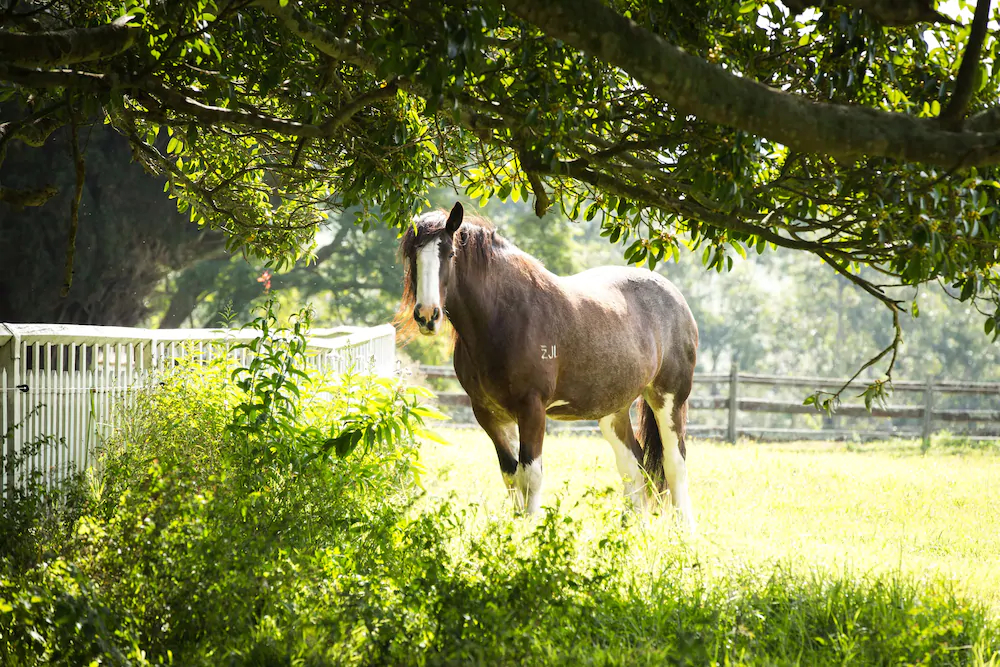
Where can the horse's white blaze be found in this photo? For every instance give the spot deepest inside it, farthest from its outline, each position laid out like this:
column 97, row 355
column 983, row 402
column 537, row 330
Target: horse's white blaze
column 428, row 275
column 528, row 480
column 674, row 467
column 628, row 466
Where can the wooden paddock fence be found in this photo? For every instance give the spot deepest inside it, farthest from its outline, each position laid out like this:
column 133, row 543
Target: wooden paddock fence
column 739, row 411
column 68, row 383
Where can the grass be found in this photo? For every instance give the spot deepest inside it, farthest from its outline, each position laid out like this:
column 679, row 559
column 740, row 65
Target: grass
column 808, row 554
column 873, row 511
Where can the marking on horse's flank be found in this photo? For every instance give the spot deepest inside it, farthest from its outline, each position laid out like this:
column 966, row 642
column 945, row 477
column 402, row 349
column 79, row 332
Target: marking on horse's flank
column 556, row 404
column 548, row 351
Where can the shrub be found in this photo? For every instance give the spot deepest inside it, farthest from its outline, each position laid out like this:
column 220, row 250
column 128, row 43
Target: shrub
column 216, row 495
column 36, row 518
column 259, row 515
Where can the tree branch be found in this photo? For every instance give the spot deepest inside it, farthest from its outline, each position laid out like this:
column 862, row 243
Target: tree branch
column 542, row 202
column 694, row 86
column 687, row 208
column 21, row 198
column 897, row 338
column 954, row 113
column 74, row 205
column 324, row 40
column 334, row 122
column 888, row 12
column 164, row 98
column 67, row 47
column 60, row 78
column 987, row 120
column 347, row 51
column 167, row 99
column 33, row 129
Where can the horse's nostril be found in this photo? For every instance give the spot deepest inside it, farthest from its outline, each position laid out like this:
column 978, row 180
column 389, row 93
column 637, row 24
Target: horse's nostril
column 437, row 313
column 416, row 315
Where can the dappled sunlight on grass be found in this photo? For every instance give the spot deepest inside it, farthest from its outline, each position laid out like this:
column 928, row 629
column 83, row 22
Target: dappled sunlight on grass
column 876, row 509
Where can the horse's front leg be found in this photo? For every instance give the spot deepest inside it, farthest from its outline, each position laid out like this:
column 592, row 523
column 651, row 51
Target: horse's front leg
column 531, row 432
column 503, row 435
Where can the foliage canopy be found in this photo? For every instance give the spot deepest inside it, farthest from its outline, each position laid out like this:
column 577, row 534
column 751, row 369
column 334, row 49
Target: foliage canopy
column 862, row 131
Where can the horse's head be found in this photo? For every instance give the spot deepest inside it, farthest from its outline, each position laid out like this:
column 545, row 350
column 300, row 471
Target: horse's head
column 427, row 251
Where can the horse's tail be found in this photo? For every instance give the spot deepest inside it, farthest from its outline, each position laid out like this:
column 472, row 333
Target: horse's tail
column 652, row 446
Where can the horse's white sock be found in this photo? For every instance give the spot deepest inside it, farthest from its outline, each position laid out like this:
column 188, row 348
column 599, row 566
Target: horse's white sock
column 513, row 491
column 528, row 479
column 674, row 466
column 628, row 465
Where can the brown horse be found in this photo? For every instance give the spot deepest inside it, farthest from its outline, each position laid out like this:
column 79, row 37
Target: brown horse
column 530, row 344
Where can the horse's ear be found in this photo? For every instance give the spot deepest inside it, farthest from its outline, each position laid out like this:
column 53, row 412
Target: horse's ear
column 455, row 218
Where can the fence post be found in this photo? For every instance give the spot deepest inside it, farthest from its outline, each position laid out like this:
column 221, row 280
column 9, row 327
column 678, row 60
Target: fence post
column 10, row 366
column 928, row 411
column 7, row 399
column 734, row 373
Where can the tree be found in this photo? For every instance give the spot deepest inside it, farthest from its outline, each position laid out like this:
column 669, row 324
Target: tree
column 129, row 235
column 352, row 278
column 864, row 132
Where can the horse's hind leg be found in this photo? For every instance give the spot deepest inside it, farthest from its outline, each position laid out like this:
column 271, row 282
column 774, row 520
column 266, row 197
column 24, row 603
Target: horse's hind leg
column 504, row 437
column 617, row 430
column 670, row 421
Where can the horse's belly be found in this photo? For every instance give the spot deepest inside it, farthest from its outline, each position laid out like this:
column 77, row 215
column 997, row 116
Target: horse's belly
column 599, row 379
column 598, row 400
column 568, row 412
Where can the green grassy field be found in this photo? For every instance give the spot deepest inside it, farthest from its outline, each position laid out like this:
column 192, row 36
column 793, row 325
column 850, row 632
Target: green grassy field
column 858, row 510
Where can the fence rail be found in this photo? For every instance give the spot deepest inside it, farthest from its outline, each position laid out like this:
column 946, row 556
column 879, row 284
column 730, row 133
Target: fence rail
column 925, row 411
column 65, row 381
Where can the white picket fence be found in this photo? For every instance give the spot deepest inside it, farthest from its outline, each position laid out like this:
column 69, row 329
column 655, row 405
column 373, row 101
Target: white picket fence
column 68, row 381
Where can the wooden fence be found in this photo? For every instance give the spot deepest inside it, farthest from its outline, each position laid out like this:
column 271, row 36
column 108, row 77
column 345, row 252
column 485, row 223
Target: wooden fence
column 919, row 420
column 67, row 382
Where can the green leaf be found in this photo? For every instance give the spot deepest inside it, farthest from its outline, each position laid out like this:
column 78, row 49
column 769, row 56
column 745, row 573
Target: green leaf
column 429, row 412
column 345, row 443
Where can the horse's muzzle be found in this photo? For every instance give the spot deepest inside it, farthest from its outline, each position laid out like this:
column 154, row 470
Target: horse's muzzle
column 427, row 318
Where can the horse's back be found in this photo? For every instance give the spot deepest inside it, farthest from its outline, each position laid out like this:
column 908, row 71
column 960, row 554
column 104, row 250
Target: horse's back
column 644, row 295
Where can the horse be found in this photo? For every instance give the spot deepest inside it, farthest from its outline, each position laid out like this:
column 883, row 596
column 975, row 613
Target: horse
column 531, row 345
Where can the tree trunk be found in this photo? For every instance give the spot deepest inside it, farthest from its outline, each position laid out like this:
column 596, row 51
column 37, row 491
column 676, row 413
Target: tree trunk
column 130, row 235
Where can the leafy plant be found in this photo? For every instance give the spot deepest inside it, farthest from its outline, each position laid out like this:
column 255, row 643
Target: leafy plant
column 35, row 517
column 287, row 416
column 265, row 417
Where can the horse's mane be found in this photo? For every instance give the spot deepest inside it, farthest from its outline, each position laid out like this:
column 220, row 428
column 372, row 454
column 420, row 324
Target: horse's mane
column 476, row 241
